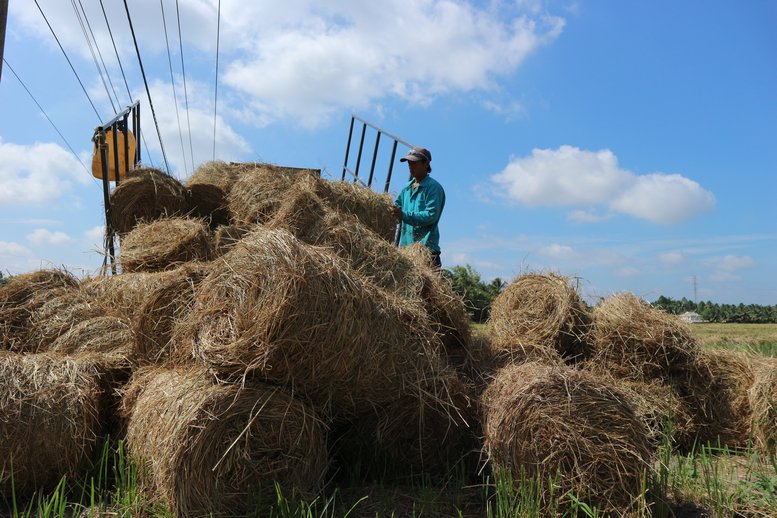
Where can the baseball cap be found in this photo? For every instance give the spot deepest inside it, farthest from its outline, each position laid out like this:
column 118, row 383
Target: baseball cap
column 416, row 154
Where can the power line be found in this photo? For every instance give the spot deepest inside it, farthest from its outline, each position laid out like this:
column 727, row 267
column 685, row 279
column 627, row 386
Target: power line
column 216, row 95
column 145, row 82
column 69, row 62
column 172, row 82
column 44, row 113
column 107, row 23
column 97, row 46
column 91, row 51
column 185, row 93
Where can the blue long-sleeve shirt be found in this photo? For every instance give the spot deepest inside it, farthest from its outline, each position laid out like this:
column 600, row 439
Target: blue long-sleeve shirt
column 421, row 210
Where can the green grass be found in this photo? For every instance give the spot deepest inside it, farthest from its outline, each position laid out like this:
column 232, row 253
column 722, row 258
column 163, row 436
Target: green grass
column 757, row 338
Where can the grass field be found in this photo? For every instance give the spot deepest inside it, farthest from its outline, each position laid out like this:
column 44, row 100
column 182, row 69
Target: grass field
column 759, row 338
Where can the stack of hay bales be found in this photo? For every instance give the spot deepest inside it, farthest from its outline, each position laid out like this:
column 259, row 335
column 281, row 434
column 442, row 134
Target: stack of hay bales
column 149, row 194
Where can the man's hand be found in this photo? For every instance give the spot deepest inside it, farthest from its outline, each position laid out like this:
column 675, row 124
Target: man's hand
column 396, row 212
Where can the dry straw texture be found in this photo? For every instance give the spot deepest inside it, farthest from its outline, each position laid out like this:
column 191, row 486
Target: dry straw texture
column 58, row 315
column 373, row 210
column 763, row 402
column 640, row 342
column 149, row 195
column 219, row 449
column 165, row 244
column 555, row 421
column 257, row 193
column 208, row 188
column 226, row 236
column 540, row 310
column 21, row 296
column 161, row 310
column 50, row 410
column 109, row 335
column 297, row 315
column 125, row 294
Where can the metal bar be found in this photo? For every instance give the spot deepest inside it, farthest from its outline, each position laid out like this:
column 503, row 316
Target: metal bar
column 106, row 199
column 391, row 166
column 3, row 21
column 374, row 157
column 347, row 148
column 116, row 157
column 138, row 140
column 361, row 145
column 116, row 119
column 126, row 145
column 356, row 179
column 408, row 144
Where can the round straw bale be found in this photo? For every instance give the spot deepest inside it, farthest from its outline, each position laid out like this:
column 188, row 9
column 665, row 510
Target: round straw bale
column 148, row 195
column 763, row 402
column 538, row 309
column 208, row 188
column 373, row 210
column 226, row 236
column 414, row 434
column 257, row 193
column 162, row 308
column 164, row 244
column 124, row 294
column 548, row 422
column 50, row 426
column 722, row 395
column 110, row 335
column 638, row 341
column 297, row 315
column 21, row 296
column 210, row 448
column 58, row 315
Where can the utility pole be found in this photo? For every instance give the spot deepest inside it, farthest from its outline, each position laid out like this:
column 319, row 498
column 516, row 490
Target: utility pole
column 3, row 20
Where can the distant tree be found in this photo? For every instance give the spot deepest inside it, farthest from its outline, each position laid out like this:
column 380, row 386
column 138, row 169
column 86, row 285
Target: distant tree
column 3, row 279
column 477, row 294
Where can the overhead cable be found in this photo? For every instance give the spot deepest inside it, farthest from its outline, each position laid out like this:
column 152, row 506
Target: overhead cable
column 216, row 94
column 99, row 53
column 145, row 82
column 185, row 93
column 69, row 62
column 172, row 82
column 91, row 51
column 44, row 113
column 107, row 23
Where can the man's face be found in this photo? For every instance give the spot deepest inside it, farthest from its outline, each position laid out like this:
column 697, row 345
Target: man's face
column 417, row 169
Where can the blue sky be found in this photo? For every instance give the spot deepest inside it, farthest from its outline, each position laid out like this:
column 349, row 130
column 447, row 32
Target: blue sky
column 630, row 144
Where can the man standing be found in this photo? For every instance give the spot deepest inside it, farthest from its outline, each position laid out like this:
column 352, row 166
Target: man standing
column 420, row 205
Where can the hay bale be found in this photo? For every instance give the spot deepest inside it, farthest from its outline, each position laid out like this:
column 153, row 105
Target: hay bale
column 763, row 403
column 297, row 315
column 110, row 335
column 148, row 195
column 373, row 210
column 219, row 449
column 123, row 295
column 226, row 236
column 58, row 315
column 161, row 310
column 21, row 296
column 540, row 310
column 257, row 193
column 164, row 244
column 51, row 408
column 543, row 422
column 208, row 188
column 638, row 341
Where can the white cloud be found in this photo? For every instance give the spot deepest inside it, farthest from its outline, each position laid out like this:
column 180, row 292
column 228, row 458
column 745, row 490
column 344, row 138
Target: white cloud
column 42, row 236
column 732, row 263
column 584, row 216
column 664, row 199
column 671, row 257
column 8, row 249
column 38, row 173
column 556, row 251
column 570, row 176
column 14, row 257
column 627, row 271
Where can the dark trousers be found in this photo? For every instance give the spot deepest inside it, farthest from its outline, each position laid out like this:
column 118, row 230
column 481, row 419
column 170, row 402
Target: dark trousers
column 436, row 263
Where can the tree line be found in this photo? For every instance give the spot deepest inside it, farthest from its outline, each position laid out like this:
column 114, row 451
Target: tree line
column 478, row 296
column 721, row 313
